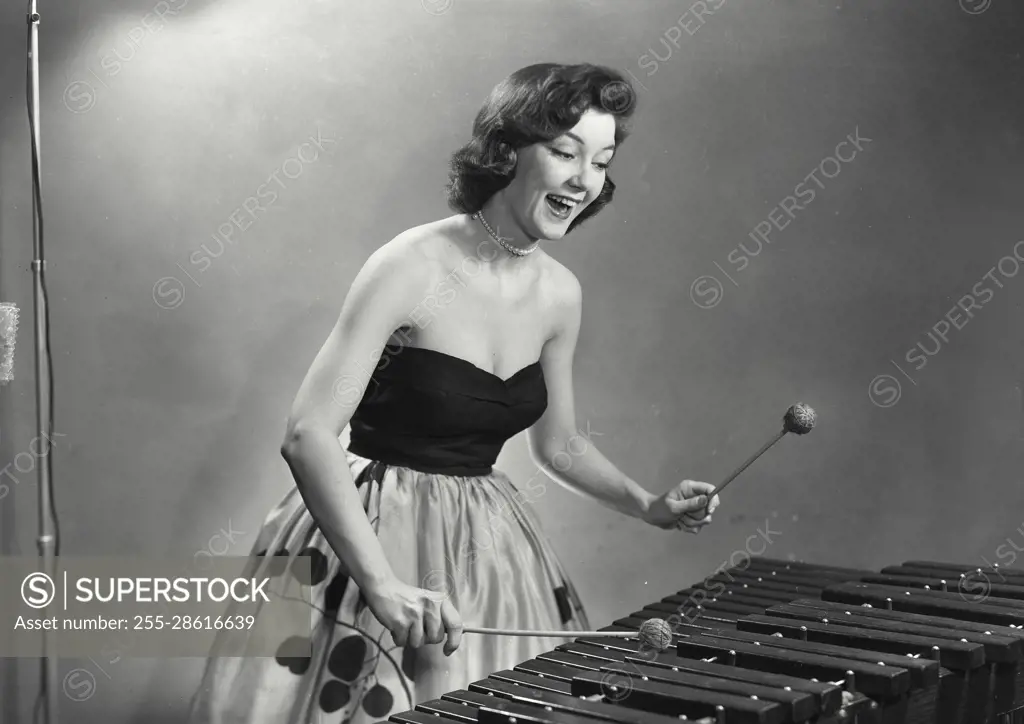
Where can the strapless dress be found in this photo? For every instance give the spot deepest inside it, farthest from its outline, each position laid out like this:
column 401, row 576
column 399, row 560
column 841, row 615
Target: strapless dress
column 423, row 443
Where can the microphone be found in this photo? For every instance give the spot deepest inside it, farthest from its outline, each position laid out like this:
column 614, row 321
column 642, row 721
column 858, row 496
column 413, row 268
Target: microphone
column 8, row 336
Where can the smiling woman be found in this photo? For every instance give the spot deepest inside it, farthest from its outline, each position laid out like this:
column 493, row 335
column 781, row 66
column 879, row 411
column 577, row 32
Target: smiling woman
column 544, row 141
column 410, row 531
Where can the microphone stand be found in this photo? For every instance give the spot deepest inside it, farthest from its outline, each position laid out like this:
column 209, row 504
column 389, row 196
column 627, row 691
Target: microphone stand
column 48, row 539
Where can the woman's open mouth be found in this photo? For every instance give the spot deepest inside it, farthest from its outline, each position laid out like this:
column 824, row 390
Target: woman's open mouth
column 560, row 206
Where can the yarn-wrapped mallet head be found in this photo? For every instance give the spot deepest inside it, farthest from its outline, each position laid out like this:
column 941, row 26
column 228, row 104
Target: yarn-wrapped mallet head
column 656, row 633
column 799, row 419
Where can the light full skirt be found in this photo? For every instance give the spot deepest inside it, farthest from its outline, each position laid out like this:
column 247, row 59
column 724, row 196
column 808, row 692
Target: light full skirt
column 475, row 538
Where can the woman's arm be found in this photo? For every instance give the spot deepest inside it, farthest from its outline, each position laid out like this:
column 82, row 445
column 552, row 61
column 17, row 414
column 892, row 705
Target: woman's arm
column 556, row 445
column 385, row 291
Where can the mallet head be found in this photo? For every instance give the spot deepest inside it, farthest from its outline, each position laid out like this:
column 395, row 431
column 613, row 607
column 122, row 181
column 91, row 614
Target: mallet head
column 799, row 419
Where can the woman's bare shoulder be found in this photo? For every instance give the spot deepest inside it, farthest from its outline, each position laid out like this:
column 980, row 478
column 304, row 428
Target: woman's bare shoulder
column 559, row 284
column 412, row 258
column 418, row 253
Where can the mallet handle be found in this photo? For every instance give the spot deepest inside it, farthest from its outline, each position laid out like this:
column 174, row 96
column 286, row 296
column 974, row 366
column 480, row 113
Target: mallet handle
column 747, row 464
column 562, row 634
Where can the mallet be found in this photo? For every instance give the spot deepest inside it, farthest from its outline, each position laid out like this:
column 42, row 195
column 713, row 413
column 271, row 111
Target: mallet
column 799, row 419
column 655, row 632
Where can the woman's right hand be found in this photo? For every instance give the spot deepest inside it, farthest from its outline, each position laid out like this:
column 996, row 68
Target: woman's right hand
column 416, row 616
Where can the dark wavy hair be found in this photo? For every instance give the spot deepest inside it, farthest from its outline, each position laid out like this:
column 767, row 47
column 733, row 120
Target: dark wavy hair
column 535, row 104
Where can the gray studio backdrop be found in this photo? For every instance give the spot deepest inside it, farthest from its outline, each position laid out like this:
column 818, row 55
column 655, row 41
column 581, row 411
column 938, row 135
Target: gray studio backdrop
column 812, row 191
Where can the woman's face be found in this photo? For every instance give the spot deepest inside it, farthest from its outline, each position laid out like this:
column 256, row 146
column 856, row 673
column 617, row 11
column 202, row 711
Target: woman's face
column 555, row 180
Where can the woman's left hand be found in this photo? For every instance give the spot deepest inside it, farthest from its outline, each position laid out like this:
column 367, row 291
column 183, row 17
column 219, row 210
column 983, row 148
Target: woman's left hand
column 683, row 507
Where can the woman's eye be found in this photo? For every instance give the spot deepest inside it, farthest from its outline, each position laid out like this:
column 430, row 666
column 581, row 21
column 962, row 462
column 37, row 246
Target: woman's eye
column 566, row 155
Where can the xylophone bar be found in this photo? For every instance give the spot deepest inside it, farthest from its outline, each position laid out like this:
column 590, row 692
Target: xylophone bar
column 780, row 642
column 979, row 692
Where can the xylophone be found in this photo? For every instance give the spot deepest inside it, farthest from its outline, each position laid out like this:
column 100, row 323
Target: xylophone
column 775, row 642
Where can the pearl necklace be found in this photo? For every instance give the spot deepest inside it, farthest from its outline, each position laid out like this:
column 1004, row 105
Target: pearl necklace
column 513, row 250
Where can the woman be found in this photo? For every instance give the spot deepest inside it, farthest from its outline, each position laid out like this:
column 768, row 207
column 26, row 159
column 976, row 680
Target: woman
column 454, row 336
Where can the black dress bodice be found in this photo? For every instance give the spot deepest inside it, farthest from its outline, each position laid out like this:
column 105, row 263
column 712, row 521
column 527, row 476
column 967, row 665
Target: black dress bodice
column 436, row 413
